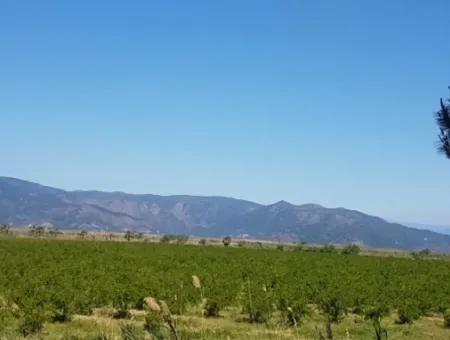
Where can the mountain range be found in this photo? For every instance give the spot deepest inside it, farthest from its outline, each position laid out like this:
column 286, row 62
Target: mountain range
column 23, row 203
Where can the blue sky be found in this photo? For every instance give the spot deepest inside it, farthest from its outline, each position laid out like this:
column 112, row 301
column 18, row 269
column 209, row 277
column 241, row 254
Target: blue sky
column 308, row 101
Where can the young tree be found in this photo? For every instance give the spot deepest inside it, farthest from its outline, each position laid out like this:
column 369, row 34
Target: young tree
column 82, row 234
column 226, row 241
column 128, row 235
column 334, row 309
column 443, row 121
column 376, row 314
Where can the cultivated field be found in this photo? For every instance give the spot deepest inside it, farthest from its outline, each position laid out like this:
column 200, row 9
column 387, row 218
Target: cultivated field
column 83, row 289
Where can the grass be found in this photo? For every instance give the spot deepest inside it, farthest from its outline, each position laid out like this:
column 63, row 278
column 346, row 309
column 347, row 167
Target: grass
column 231, row 326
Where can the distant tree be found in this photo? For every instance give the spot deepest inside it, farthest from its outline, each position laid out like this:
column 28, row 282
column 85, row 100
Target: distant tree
column 181, row 239
column 4, row 229
column 226, row 241
column 443, row 122
column 328, row 248
column 82, row 234
column 36, row 230
column 280, row 247
column 54, row 232
column 351, row 249
column 128, row 235
column 165, row 239
column 425, row 252
column 202, row 242
column 421, row 254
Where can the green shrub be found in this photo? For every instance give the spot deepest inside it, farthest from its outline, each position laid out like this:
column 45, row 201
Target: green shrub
column 358, row 305
column 258, row 302
column 32, row 323
column 292, row 313
column 333, row 308
column 328, row 248
column 447, row 318
column 376, row 314
column 351, row 249
column 408, row 313
column 212, row 309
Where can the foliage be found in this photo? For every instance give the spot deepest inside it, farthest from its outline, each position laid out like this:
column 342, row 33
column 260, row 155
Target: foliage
column 49, row 280
column 36, row 230
column 226, row 241
column 32, row 322
column 128, row 235
column 83, row 234
column 292, row 313
column 408, row 312
column 376, row 314
column 328, row 248
column 333, row 307
column 447, row 318
column 443, row 122
column 421, row 254
column 351, row 249
column 165, row 239
column 179, row 239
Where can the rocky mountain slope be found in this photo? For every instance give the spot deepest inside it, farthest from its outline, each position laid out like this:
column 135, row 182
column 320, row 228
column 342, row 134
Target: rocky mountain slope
column 23, row 203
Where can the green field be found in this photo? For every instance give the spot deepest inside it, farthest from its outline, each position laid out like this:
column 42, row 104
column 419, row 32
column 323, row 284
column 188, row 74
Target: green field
column 73, row 289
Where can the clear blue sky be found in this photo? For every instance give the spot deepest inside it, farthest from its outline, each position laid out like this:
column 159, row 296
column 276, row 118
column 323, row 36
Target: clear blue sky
column 307, row 101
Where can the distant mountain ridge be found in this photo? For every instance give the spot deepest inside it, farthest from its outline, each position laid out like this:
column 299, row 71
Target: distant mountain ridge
column 23, row 203
column 438, row 228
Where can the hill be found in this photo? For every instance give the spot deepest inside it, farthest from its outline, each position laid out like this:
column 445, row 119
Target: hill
column 23, row 203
